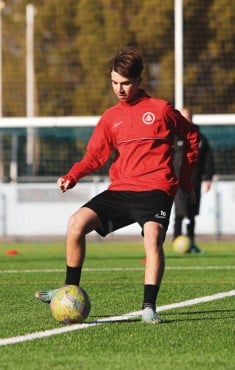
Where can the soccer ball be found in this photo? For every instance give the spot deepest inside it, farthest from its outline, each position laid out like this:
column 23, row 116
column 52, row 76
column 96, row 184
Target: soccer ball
column 182, row 244
column 71, row 304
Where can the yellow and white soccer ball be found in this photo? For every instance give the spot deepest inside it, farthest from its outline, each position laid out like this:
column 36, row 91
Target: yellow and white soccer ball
column 71, row 304
column 182, row 244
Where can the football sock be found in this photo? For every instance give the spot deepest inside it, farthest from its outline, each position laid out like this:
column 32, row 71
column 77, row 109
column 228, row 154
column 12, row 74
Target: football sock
column 73, row 275
column 150, row 295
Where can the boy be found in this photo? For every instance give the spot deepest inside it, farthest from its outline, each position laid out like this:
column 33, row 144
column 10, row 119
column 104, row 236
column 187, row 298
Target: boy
column 140, row 129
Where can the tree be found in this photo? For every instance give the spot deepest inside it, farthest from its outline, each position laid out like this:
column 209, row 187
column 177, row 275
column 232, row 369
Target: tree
column 57, row 67
column 221, row 48
column 13, row 54
column 74, row 41
column 101, row 33
column 153, row 25
column 209, row 56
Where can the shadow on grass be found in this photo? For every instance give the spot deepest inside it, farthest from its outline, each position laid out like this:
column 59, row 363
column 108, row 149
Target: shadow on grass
column 206, row 316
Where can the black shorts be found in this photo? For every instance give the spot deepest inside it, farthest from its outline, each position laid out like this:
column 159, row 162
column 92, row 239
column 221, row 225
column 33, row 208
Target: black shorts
column 117, row 209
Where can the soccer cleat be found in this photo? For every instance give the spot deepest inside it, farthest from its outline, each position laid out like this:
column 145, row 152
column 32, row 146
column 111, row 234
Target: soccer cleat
column 196, row 249
column 46, row 295
column 149, row 316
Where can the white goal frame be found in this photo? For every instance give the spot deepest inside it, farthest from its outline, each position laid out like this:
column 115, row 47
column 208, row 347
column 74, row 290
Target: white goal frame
column 91, row 121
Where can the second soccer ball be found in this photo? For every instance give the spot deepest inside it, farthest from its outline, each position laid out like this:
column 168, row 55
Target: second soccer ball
column 182, row 244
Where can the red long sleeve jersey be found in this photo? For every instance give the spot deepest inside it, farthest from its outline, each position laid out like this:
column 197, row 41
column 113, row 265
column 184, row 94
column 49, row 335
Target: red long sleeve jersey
column 142, row 136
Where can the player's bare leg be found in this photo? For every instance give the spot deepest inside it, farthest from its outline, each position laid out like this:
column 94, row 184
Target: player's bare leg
column 154, row 235
column 80, row 223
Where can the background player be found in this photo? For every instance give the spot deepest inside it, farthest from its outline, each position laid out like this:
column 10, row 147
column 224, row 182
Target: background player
column 203, row 172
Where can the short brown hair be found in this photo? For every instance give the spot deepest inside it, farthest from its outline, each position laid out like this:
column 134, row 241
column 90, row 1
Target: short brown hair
column 127, row 62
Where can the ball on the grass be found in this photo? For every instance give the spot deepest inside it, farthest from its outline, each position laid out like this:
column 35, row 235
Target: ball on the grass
column 71, row 304
column 182, row 244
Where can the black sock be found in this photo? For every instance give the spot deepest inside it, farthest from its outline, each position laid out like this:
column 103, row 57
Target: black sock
column 150, row 295
column 73, row 275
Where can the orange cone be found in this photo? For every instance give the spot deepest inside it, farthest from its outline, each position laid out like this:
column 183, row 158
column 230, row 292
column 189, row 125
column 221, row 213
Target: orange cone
column 11, row 252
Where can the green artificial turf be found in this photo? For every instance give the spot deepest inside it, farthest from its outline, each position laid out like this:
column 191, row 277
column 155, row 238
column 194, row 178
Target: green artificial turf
column 199, row 336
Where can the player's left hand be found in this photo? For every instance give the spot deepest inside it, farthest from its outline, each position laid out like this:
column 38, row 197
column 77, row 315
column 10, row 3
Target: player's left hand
column 207, row 185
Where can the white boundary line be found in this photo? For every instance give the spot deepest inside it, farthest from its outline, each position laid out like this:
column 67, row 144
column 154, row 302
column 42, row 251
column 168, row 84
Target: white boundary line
column 131, row 315
column 120, row 269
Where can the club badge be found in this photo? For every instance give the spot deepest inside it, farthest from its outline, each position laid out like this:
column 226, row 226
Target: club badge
column 148, row 118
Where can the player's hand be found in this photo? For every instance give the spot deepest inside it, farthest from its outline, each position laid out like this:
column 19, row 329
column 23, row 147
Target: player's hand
column 63, row 184
column 207, row 185
column 192, row 197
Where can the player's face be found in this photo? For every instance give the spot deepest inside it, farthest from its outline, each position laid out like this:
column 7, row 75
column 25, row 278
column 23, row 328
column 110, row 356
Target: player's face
column 124, row 89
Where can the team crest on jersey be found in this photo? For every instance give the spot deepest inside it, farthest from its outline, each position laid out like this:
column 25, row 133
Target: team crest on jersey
column 148, row 118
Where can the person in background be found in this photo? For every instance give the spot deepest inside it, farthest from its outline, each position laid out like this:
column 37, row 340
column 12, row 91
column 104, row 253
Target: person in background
column 202, row 174
column 140, row 130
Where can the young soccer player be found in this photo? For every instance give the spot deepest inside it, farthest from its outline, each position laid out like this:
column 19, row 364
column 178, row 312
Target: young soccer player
column 140, row 129
column 203, row 173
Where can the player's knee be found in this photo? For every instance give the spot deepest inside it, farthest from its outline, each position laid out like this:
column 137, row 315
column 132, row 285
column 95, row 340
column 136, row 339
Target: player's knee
column 75, row 225
column 155, row 232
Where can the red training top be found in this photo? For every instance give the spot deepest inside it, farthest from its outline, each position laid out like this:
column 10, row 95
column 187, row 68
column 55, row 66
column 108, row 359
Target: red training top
column 142, row 135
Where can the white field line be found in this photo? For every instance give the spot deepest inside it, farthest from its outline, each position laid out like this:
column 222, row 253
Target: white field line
column 120, row 269
column 125, row 317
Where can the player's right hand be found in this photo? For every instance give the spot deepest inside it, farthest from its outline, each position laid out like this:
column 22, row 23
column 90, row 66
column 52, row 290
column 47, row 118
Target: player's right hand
column 64, row 184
